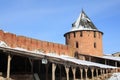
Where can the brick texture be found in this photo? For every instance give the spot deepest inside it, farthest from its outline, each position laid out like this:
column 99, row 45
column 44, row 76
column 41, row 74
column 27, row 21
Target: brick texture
column 31, row 44
column 90, row 43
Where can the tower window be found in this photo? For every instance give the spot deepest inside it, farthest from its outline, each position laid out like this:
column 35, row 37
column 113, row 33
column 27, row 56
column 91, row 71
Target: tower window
column 99, row 35
column 76, row 55
column 95, row 45
column 77, row 45
column 94, row 34
column 68, row 36
column 81, row 34
column 74, row 34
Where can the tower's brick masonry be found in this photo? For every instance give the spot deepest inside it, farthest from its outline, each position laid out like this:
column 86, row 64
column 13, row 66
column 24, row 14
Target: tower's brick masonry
column 87, row 42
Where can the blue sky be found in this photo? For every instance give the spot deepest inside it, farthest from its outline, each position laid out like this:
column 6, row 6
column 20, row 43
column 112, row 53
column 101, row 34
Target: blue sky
column 49, row 19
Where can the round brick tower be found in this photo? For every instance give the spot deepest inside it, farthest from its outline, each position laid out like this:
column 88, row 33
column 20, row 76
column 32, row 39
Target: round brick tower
column 84, row 37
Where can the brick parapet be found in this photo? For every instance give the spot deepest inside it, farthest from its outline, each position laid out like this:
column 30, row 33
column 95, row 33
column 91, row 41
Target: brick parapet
column 13, row 41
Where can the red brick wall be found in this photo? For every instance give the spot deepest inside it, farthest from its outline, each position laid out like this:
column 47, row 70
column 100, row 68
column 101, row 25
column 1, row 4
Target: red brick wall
column 1, row 35
column 14, row 41
column 85, row 43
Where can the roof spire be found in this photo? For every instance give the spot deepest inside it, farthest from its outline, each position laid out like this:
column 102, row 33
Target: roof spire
column 83, row 23
column 82, row 10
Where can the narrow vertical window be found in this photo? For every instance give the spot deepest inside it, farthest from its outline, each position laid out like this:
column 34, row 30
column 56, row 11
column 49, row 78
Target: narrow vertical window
column 99, row 35
column 94, row 34
column 77, row 45
column 95, row 45
column 81, row 34
column 68, row 36
column 76, row 55
column 74, row 34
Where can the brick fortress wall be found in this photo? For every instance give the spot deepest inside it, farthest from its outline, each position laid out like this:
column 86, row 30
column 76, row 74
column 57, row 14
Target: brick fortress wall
column 13, row 41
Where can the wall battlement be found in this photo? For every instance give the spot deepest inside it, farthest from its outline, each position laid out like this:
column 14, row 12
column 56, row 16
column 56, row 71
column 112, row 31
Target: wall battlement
column 13, row 41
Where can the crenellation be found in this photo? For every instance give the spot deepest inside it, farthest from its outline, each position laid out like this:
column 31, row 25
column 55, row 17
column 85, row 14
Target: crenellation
column 1, row 35
column 8, row 38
